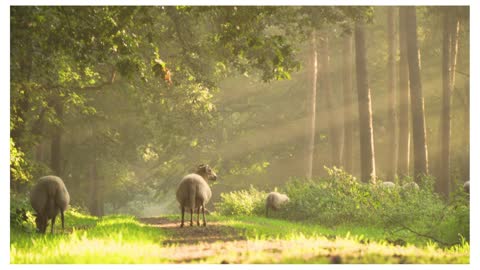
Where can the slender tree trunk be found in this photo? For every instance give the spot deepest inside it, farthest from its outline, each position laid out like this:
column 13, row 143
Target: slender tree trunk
column 404, row 101
column 367, row 152
column 348, row 102
column 444, row 176
column 326, row 85
column 312, row 108
column 392, row 99
column 416, row 96
column 93, row 203
column 56, row 144
column 449, row 52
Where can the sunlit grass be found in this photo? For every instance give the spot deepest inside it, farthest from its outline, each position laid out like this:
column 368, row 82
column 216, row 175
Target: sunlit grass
column 123, row 239
column 112, row 239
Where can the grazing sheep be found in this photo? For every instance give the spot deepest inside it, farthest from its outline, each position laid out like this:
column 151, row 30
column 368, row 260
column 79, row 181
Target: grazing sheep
column 275, row 200
column 466, row 187
column 387, row 185
column 48, row 197
column 410, row 186
column 193, row 192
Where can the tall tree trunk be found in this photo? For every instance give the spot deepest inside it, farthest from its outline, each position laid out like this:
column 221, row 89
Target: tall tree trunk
column 56, row 150
column 454, row 36
column 348, row 102
column 416, row 95
column 326, row 85
column 449, row 54
column 312, row 108
column 404, row 100
column 367, row 152
column 93, row 203
column 392, row 99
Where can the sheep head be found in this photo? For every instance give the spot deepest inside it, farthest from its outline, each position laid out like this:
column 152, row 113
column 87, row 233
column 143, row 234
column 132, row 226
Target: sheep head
column 41, row 223
column 206, row 172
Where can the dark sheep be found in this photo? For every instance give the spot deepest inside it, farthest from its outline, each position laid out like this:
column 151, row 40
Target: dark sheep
column 49, row 197
column 193, row 192
column 466, row 187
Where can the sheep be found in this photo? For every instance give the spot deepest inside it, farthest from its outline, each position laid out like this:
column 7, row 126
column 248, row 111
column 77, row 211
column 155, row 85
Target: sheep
column 387, row 185
column 48, row 197
column 275, row 200
column 466, row 187
column 193, row 192
column 410, row 186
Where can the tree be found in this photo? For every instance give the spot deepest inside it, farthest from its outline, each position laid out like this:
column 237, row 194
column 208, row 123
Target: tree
column 367, row 152
column 416, row 96
column 312, row 107
column 348, row 101
column 391, row 169
column 335, row 139
column 451, row 26
column 404, row 100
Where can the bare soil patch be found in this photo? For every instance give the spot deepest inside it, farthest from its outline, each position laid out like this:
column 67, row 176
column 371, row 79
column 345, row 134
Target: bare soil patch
column 213, row 232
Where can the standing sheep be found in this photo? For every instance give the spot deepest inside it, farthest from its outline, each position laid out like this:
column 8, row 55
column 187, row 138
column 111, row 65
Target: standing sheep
column 48, row 197
column 466, row 187
column 275, row 200
column 193, row 192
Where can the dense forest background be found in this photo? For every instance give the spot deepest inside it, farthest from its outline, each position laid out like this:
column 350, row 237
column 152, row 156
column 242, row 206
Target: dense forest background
column 121, row 102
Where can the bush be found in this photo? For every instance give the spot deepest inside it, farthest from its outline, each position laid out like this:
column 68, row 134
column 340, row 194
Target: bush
column 242, row 202
column 339, row 199
column 21, row 214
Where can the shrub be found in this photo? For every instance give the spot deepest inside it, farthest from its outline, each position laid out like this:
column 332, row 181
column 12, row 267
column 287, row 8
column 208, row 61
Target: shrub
column 242, row 202
column 339, row 199
column 21, row 214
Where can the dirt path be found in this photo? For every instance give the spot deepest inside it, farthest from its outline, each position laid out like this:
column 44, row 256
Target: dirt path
column 215, row 231
column 220, row 243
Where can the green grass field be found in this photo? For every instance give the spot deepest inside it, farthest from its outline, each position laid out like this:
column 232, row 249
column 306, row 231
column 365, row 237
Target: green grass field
column 125, row 239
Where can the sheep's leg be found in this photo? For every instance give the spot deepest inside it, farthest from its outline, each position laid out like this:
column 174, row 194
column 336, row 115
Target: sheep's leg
column 63, row 220
column 267, row 212
column 191, row 216
column 53, row 223
column 203, row 212
column 198, row 216
column 183, row 214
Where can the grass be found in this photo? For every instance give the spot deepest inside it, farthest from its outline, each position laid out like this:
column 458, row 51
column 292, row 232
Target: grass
column 122, row 239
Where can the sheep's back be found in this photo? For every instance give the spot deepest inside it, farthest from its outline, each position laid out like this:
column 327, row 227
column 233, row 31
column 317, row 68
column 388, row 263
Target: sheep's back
column 275, row 199
column 47, row 187
column 193, row 183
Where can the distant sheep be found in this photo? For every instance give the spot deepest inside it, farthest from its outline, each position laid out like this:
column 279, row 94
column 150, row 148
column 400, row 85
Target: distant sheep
column 410, row 186
column 275, row 200
column 466, row 187
column 49, row 197
column 388, row 185
column 193, row 192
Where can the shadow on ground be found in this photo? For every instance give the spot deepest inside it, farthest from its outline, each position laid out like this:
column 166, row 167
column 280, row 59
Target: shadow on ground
column 213, row 232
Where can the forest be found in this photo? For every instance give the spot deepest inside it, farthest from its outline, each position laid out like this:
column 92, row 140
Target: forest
column 355, row 117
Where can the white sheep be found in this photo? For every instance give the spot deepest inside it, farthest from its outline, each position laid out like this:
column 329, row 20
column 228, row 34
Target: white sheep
column 388, row 185
column 275, row 201
column 410, row 186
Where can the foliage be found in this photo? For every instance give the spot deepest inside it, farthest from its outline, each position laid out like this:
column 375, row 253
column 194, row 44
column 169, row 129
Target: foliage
column 19, row 169
column 242, row 202
column 21, row 215
column 341, row 199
